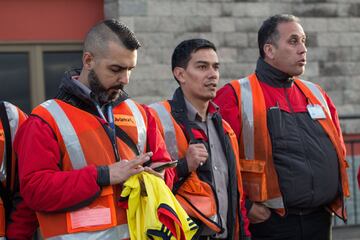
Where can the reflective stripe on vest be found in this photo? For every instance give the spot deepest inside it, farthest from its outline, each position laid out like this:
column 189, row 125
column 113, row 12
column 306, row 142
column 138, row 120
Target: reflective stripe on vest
column 13, row 116
column 247, row 115
column 169, row 129
column 115, row 233
column 140, row 125
column 67, row 131
column 317, row 93
column 2, row 238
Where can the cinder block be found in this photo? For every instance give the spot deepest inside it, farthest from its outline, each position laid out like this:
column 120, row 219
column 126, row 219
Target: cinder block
column 350, row 39
column 247, row 55
column 132, row 8
column 179, row 37
column 317, row 53
column 315, row 10
column 179, row 8
column 209, row 9
column 252, row 40
column 227, row 55
column 311, row 24
column 329, row 83
column 154, row 56
column 340, row 54
column 152, row 72
column 236, row 70
column 334, row 68
column 354, row 10
column 338, row 25
column 197, row 24
column 337, row 97
column 351, row 96
column 159, row 8
column 352, row 83
column 150, row 40
column 217, row 38
column 160, row 24
column 277, row 7
column 248, row 24
column 236, row 39
column 111, row 9
column 354, row 24
column 223, row 24
column 311, row 69
column 329, row 39
column 250, row 9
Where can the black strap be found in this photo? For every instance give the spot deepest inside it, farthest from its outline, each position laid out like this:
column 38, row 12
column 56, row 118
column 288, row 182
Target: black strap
column 126, row 139
column 6, row 191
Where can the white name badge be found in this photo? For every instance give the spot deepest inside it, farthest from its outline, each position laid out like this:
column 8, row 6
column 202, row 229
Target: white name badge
column 316, row 111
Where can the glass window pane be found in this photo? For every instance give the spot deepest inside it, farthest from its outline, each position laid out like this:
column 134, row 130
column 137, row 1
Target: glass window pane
column 14, row 79
column 55, row 64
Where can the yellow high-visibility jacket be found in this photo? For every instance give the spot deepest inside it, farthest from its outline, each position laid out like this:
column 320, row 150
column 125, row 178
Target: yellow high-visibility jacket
column 153, row 211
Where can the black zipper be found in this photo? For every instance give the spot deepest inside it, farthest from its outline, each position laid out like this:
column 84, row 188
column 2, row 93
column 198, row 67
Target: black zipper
column 302, row 141
column 112, row 140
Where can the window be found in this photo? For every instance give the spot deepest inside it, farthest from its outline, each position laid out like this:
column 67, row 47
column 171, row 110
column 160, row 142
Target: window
column 31, row 73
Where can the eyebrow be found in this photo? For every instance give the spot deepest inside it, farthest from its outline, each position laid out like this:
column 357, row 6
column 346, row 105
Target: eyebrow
column 205, row 62
column 120, row 66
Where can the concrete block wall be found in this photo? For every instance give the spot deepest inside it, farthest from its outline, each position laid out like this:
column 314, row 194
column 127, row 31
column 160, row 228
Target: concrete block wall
column 332, row 26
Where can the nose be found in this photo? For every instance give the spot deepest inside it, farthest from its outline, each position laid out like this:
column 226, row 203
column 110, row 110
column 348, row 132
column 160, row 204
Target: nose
column 213, row 73
column 124, row 78
column 302, row 49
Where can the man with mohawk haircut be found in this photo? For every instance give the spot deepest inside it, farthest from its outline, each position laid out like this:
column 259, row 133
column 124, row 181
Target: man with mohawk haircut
column 73, row 156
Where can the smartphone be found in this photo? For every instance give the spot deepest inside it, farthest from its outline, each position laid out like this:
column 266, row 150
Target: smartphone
column 166, row 165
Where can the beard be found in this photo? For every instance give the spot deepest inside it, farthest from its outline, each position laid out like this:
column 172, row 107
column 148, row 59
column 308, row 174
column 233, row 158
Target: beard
column 104, row 95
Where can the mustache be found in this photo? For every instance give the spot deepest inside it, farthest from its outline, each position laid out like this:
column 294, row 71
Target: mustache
column 117, row 87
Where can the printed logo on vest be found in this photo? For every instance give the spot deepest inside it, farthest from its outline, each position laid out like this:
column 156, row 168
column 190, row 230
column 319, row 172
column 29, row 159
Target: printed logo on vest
column 124, row 120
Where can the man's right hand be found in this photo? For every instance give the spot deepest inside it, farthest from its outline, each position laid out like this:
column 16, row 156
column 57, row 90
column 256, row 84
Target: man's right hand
column 121, row 171
column 196, row 155
column 258, row 213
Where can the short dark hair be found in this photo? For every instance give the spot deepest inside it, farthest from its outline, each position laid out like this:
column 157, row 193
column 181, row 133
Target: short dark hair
column 268, row 32
column 102, row 33
column 182, row 53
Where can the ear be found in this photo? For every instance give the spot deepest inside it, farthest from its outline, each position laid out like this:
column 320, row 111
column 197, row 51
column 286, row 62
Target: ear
column 179, row 74
column 269, row 50
column 88, row 60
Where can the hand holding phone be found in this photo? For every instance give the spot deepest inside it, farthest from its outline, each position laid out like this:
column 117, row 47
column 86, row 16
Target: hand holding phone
column 166, row 165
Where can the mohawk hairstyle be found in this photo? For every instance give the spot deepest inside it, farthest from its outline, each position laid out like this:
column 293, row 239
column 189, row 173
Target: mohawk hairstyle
column 97, row 39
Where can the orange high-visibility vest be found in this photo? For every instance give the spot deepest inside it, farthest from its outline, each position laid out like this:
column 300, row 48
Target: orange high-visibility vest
column 177, row 144
column 258, row 172
column 83, row 141
column 15, row 118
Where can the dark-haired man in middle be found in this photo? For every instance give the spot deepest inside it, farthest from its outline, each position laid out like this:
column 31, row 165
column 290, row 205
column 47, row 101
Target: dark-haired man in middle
column 204, row 144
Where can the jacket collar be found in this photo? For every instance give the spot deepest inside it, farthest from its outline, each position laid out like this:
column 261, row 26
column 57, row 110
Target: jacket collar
column 272, row 76
column 180, row 105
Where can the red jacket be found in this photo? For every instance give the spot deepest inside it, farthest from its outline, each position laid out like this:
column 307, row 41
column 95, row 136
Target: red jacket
column 229, row 109
column 41, row 177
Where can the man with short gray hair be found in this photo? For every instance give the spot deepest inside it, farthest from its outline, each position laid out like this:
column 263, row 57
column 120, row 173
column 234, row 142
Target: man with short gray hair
column 291, row 147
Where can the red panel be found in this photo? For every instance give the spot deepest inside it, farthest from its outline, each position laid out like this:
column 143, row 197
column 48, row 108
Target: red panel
column 48, row 20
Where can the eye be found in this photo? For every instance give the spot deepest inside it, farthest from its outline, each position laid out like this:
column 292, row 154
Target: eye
column 202, row 67
column 293, row 41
